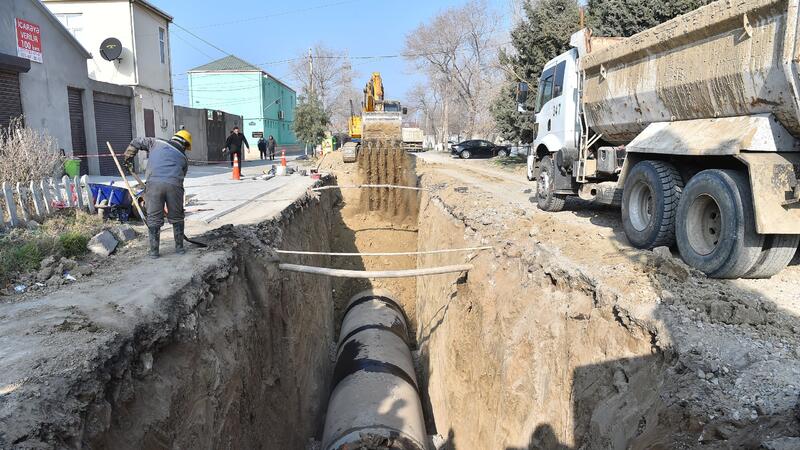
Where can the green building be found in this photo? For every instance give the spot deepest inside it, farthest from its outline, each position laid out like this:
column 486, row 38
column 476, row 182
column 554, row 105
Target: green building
column 265, row 103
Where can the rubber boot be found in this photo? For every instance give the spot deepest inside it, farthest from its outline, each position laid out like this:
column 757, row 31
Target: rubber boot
column 155, row 236
column 177, row 232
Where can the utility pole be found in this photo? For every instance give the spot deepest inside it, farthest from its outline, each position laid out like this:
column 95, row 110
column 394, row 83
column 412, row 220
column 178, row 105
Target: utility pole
column 310, row 72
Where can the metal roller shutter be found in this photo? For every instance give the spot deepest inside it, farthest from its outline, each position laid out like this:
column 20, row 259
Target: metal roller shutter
column 74, row 98
column 10, row 98
column 113, row 121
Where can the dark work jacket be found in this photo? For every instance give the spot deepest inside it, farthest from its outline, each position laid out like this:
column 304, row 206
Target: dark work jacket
column 262, row 145
column 271, row 143
column 234, row 142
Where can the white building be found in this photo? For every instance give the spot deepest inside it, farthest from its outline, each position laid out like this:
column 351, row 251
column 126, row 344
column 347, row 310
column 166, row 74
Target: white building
column 144, row 64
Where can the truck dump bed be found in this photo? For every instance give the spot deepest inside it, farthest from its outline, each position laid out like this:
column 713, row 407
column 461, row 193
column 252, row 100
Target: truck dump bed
column 729, row 58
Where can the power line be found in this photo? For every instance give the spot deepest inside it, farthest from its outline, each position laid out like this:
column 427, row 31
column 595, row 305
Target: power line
column 284, row 13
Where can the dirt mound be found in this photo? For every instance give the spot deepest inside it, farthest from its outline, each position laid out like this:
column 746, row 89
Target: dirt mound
column 385, row 162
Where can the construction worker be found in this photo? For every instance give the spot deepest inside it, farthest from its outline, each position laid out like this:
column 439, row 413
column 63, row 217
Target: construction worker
column 235, row 143
column 166, row 168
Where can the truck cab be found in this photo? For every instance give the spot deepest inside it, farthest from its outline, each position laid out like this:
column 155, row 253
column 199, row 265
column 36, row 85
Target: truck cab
column 558, row 126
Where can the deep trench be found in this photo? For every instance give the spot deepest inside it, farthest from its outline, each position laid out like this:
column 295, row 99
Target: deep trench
column 250, row 366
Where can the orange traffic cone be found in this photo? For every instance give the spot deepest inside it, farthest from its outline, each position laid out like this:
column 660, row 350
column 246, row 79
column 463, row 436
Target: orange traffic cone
column 283, row 157
column 236, row 174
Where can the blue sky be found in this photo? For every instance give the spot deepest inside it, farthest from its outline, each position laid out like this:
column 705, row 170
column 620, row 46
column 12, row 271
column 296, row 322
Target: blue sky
column 360, row 27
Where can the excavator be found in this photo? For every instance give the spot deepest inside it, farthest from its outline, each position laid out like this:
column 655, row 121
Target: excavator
column 380, row 119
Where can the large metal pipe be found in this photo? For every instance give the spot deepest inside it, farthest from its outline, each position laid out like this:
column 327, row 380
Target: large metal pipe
column 375, row 399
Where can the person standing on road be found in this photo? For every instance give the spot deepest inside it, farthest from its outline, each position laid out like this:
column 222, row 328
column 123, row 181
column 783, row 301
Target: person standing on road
column 235, row 144
column 262, row 148
column 166, row 169
column 271, row 144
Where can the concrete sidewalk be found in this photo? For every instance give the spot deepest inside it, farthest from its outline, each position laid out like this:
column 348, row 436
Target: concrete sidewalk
column 215, row 199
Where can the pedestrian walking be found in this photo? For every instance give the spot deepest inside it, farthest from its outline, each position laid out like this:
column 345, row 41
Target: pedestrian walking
column 262, row 148
column 166, row 169
column 235, row 144
column 271, row 144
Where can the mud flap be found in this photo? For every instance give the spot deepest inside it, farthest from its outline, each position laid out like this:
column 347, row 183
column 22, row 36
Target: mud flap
column 774, row 182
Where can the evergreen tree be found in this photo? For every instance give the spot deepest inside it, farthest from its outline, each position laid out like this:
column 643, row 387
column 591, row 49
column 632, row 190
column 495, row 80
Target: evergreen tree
column 542, row 35
column 627, row 17
column 310, row 120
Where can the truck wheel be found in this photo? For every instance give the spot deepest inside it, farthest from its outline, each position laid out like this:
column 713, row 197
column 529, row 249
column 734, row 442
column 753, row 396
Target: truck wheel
column 778, row 251
column 548, row 200
column 649, row 204
column 465, row 154
column 716, row 230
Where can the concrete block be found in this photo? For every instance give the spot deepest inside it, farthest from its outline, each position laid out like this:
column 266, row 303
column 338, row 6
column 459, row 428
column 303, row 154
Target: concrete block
column 124, row 233
column 103, row 243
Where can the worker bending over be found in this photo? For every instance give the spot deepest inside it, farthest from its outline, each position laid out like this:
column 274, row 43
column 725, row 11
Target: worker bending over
column 166, row 168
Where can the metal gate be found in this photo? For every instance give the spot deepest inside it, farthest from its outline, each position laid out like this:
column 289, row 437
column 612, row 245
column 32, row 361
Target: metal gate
column 10, row 98
column 75, row 101
column 113, row 120
column 215, row 134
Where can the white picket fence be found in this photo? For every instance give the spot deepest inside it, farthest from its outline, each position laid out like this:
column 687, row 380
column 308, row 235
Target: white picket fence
column 39, row 199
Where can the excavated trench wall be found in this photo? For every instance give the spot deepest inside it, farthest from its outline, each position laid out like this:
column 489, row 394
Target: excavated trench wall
column 525, row 352
column 247, row 362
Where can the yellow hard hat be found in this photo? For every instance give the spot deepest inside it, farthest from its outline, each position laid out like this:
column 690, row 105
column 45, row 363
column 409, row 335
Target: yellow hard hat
column 185, row 138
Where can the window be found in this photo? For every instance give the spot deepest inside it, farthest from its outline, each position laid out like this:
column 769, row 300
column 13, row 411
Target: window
column 73, row 22
column 545, row 89
column 558, row 85
column 162, row 44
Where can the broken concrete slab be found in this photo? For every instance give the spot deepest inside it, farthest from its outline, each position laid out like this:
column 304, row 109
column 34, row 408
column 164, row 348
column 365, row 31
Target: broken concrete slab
column 103, row 243
column 124, row 233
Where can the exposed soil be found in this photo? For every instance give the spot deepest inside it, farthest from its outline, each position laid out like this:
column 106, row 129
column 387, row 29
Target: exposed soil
column 561, row 337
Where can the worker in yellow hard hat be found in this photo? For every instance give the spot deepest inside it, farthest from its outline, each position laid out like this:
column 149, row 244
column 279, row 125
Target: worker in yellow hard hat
column 166, row 168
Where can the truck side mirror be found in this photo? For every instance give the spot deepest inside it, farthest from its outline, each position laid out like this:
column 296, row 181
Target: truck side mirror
column 522, row 92
column 405, row 110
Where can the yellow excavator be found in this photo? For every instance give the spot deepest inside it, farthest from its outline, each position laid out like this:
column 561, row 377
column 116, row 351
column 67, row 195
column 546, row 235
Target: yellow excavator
column 380, row 119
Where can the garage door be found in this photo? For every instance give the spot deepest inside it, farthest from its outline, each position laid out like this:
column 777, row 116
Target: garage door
column 74, row 97
column 10, row 99
column 113, row 120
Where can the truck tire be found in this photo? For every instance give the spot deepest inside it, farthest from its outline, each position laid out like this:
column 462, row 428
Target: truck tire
column 548, row 200
column 716, row 229
column 650, row 203
column 778, row 251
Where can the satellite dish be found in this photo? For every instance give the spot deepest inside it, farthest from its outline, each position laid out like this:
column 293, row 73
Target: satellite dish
column 111, row 49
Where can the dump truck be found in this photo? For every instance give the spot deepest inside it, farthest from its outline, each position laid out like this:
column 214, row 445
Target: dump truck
column 380, row 120
column 413, row 139
column 692, row 127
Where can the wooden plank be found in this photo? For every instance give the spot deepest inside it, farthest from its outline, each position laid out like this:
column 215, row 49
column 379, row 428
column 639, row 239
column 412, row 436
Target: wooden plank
column 22, row 198
column 67, row 183
column 76, row 183
column 89, row 195
column 36, row 195
column 55, row 190
column 11, row 205
column 47, row 195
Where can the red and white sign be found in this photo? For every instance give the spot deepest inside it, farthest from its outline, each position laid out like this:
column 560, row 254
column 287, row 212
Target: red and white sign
column 29, row 40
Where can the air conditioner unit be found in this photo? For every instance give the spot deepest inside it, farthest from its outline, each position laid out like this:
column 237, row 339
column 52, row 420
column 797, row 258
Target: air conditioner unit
column 281, row 115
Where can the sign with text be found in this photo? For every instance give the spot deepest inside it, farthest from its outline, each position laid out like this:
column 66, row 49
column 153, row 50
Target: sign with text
column 29, row 40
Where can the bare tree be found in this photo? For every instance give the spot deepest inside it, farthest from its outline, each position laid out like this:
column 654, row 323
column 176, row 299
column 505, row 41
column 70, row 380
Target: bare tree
column 457, row 50
column 330, row 75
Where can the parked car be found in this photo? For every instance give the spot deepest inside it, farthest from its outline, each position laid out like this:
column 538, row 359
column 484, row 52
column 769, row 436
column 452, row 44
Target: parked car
column 478, row 147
